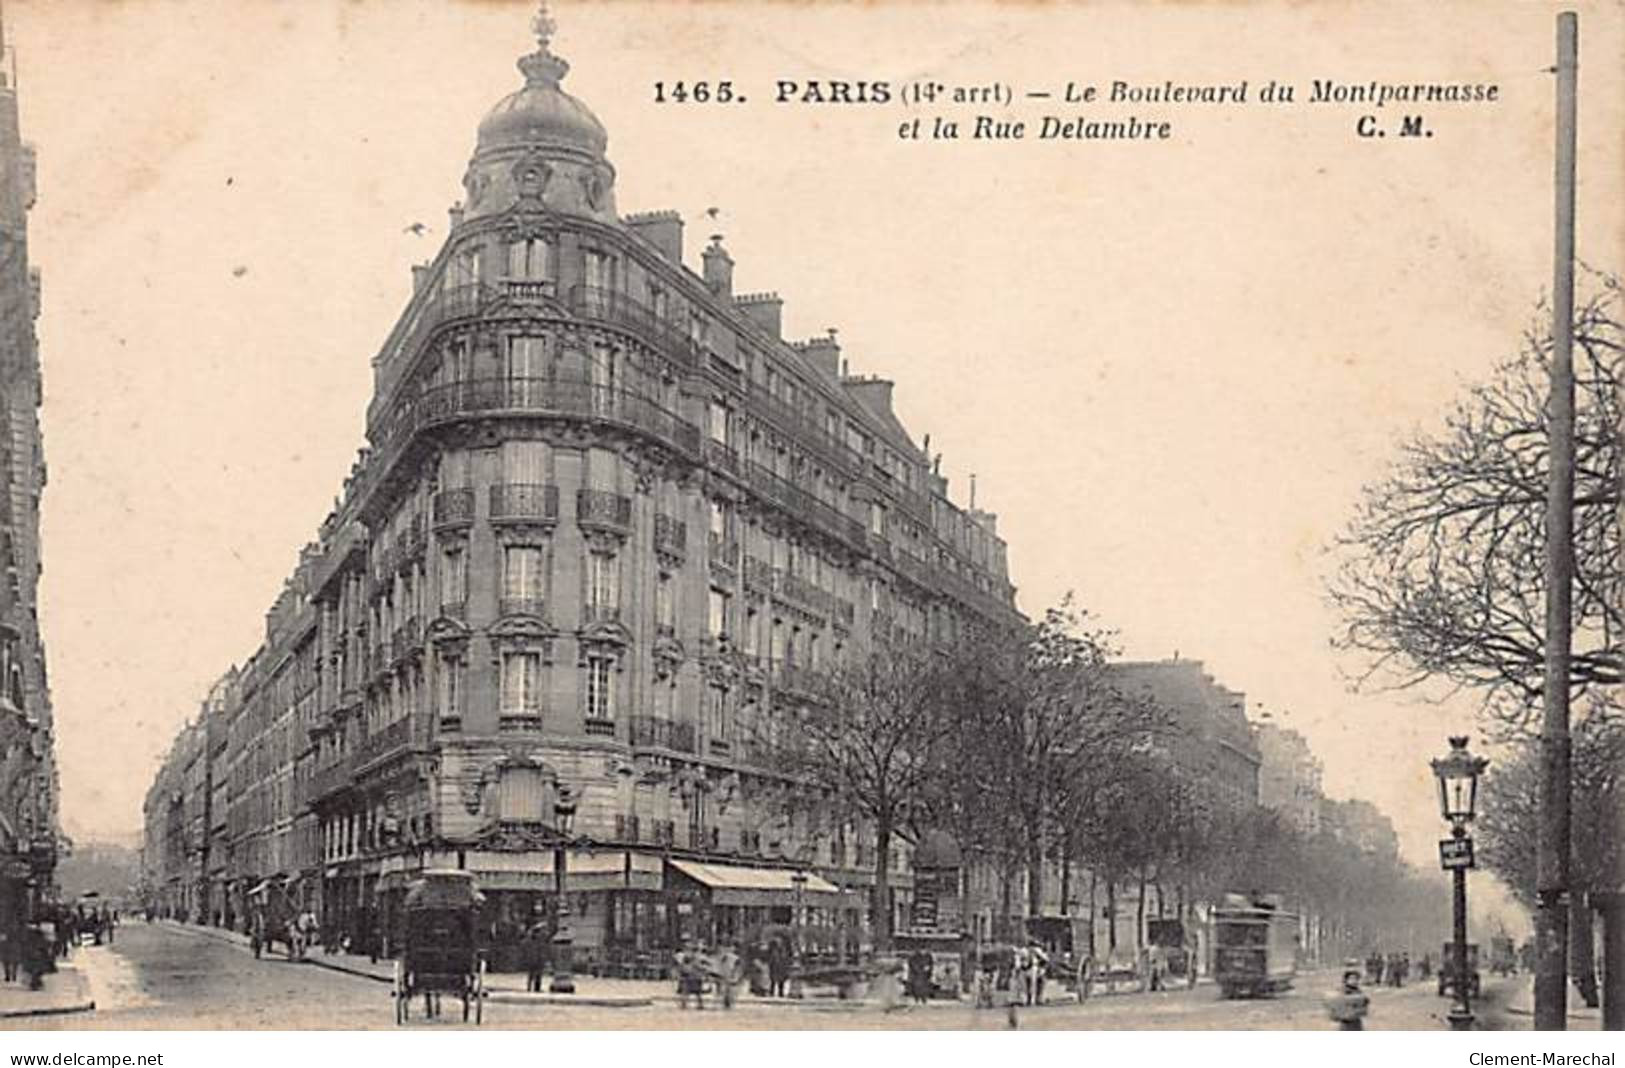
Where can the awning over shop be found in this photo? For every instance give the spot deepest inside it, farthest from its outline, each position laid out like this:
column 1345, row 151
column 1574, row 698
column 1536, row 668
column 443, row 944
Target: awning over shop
column 730, row 885
column 583, row 871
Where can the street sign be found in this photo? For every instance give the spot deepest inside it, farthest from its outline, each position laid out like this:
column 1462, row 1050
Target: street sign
column 1456, row 853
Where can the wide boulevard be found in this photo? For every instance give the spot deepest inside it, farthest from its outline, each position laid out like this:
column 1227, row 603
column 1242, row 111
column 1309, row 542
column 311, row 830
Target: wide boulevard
column 172, row 978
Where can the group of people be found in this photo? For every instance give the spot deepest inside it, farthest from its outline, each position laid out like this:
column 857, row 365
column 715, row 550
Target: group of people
column 1394, row 969
column 721, row 971
column 1023, row 971
column 29, row 951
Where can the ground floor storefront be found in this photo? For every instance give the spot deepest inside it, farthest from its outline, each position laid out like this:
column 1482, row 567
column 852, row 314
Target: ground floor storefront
column 627, row 912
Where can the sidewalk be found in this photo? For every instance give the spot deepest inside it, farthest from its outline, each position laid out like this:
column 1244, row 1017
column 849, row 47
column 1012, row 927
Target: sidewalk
column 1522, row 1003
column 65, row 991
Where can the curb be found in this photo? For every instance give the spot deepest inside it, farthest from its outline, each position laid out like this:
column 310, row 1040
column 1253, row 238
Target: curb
column 49, row 1010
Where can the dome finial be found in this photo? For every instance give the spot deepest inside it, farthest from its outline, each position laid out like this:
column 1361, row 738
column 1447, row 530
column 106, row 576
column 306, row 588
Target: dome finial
column 543, row 26
column 542, row 67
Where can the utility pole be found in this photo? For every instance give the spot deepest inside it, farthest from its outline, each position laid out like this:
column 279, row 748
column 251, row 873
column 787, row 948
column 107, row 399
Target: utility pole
column 1551, row 913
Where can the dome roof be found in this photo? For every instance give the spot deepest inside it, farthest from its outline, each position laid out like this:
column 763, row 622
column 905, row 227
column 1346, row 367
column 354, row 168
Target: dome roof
column 542, row 114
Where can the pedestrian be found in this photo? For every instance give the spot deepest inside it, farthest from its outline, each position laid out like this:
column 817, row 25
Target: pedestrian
column 761, row 979
column 778, row 966
column 1038, row 970
column 538, row 939
column 36, row 955
column 690, row 977
column 11, row 951
column 919, row 976
column 727, row 973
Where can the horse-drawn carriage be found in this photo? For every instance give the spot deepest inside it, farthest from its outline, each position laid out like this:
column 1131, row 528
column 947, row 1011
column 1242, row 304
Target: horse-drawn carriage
column 275, row 918
column 440, row 945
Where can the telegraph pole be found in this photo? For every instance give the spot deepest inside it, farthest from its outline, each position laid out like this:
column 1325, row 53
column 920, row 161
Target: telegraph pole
column 1551, row 914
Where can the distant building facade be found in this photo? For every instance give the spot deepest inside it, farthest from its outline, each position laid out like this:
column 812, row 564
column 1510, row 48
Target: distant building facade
column 1207, row 737
column 29, row 829
column 1289, row 776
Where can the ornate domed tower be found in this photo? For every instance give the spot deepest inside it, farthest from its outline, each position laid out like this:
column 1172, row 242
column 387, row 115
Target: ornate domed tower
column 540, row 147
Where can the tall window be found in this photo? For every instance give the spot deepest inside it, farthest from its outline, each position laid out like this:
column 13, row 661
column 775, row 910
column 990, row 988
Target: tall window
column 600, row 678
column 877, row 518
column 605, row 372
column 717, row 422
column 716, row 712
column 453, row 576
column 603, row 594
column 666, row 603
column 750, row 638
column 529, row 260
column 465, row 267
column 525, row 463
column 523, row 581
column 720, row 615
column 521, row 684
column 598, row 269
column 525, row 367
column 450, row 696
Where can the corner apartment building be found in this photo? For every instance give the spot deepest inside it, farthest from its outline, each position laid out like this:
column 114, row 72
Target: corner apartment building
column 29, row 833
column 608, row 522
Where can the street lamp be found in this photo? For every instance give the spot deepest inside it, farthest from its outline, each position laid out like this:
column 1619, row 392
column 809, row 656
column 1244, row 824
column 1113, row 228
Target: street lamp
column 564, row 814
column 1458, row 773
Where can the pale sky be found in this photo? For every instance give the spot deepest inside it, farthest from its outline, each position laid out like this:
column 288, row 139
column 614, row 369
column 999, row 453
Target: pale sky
column 1171, row 365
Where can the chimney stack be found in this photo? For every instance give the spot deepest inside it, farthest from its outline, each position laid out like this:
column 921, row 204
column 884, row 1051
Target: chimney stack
column 766, row 310
column 663, row 230
column 719, row 269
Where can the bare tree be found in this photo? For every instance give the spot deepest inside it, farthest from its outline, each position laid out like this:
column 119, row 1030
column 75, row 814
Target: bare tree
column 862, row 739
column 1441, row 574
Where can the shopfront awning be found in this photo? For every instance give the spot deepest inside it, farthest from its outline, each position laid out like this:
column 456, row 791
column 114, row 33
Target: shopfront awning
column 732, row 885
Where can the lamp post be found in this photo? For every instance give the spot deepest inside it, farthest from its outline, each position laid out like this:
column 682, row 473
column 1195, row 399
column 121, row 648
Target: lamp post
column 564, row 814
column 1458, row 773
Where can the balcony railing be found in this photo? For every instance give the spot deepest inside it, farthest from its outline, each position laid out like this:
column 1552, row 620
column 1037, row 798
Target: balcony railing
column 601, row 508
column 521, row 606
column 619, row 310
column 524, row 502
column 332, row 778
column 599, row 727
column 393, row 737
column 724, row 552
column 600, row 613
column 526, row 290
column 722, row 456
column 671, row 535
column 798, row 502
column 793, row 421
column 452, row 507
column 758, row 574
column 652, row 732
column 564, row 398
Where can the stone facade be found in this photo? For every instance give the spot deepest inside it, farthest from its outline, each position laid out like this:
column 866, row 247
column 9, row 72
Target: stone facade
column 606, row 522
column 29, row 834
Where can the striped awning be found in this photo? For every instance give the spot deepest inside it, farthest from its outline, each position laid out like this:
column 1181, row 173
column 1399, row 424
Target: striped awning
column 733, row 885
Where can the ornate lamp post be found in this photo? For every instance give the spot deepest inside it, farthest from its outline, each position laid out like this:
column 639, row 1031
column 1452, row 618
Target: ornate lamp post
column 564, row 814
column 1458, row 773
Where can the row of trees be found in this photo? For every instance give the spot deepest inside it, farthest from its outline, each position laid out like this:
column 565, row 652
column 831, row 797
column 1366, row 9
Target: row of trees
column 1016, row 742
column 1441, row 585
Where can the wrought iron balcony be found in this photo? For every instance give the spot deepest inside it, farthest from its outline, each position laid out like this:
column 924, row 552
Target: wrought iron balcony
column 623, row 312
column 722, row 456
column 557, row 397
column 758, row 574
column 453, row 507
column 524, row 502
column 652, row 732
column 671, row 535
column 604, row 509
column 600, row 613
column 393, row 737
column 599, row 727
column 521, row 605
column 723, row 552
